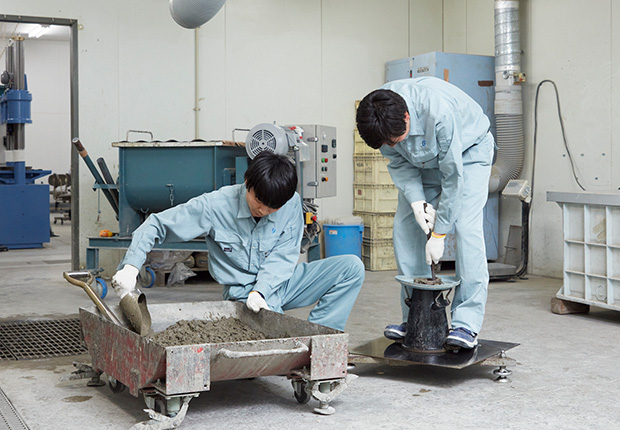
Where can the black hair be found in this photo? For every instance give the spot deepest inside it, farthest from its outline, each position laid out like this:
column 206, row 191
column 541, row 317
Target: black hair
column 273, row 179
column 381, row 117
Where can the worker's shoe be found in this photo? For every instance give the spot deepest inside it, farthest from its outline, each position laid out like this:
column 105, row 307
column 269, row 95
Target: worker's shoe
column 395, row 331
column 461, row 337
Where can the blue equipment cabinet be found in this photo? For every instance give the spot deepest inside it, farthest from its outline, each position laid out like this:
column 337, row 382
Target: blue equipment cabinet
column 475, row 75
column 24, row 205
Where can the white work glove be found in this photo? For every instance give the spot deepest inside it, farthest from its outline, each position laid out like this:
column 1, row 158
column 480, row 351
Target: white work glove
column 434, row 248
column 125, row 280
column 256, row 302
column 424, row 217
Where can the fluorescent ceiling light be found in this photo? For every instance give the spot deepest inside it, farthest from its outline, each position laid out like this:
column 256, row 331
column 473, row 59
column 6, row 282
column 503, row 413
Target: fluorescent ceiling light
column 38, row 31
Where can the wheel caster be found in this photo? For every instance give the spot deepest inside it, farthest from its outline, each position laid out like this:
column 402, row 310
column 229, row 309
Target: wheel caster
column 299, row 389
column 101, row 287
column 147, row 279
column 160, row 406
column 115, row 386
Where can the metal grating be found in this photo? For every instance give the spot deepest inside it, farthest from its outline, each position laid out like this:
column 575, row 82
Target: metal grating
column 5, row 353
column 41, row 339
column 9, row 418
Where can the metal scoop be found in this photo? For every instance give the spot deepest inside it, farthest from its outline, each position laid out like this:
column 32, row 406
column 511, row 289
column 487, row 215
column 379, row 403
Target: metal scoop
column 103, row 308
column 133, row 305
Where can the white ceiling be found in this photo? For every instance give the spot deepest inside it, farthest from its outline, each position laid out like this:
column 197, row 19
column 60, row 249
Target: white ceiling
column 55, row 32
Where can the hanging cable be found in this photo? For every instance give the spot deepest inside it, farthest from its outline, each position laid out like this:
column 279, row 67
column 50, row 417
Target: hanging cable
column 570, row 157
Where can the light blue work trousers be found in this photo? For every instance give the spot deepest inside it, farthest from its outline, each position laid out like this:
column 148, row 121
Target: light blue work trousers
column 470, row 296
column 333, row 282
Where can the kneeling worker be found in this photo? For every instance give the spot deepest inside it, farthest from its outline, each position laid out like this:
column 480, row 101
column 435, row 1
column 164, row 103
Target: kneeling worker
column 253, row 233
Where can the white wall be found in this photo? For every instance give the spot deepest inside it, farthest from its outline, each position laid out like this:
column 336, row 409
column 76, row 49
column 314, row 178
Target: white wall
column 575, row 48
column 134, row 72
column 583, row 66
column 298, row 62
column 260, row 60
column 48, row 138
column 309, row 60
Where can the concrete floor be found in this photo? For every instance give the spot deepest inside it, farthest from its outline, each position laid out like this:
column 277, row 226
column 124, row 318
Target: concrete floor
column 565, row 376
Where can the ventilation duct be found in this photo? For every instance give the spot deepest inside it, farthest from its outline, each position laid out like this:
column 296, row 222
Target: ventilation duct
column 508, row 101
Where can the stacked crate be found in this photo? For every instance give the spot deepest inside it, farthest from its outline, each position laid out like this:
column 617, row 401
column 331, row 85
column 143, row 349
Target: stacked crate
column 375, row 199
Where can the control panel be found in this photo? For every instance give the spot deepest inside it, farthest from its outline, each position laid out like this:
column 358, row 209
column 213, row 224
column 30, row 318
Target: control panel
column 320, row 171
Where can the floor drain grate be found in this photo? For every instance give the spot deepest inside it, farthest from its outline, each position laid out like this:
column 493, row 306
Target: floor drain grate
column 5, row 353
column 9, row 418
column 41, row 339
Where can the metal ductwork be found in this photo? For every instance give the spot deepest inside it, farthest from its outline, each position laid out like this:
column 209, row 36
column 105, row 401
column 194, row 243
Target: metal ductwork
column 508, row 100
column 194, row 13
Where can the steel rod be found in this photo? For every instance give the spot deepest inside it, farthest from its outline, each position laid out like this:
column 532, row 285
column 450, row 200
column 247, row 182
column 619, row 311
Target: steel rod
column 98, row 179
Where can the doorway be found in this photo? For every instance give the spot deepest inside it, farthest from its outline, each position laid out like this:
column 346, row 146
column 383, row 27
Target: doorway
column 50, row 51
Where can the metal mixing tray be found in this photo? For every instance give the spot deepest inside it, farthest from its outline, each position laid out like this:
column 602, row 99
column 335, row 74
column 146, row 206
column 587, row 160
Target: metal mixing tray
column 313, row 356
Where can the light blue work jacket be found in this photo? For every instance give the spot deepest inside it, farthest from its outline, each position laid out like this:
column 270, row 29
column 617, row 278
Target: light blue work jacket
column 244, row 255
column 445, row 122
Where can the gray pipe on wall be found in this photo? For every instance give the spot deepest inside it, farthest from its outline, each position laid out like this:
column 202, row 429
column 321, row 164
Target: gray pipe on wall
column 196, row 84
column 508, row 100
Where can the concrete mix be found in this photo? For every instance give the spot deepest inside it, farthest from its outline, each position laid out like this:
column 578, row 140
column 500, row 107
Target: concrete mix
column 203, row 331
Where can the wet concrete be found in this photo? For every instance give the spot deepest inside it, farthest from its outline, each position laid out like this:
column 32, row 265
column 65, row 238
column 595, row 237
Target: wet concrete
column 428, row 281
column 202, row 331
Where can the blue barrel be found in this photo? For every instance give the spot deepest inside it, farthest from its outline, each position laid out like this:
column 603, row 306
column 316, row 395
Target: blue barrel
column 343, row 239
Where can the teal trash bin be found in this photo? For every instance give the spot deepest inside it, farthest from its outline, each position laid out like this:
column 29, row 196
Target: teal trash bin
column 343, row 239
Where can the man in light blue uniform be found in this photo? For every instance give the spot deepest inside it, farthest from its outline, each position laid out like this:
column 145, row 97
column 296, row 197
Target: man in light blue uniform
column 440, row 149
column 253, row 233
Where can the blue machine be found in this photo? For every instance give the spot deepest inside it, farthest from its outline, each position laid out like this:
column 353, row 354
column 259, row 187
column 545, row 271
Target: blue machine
column 474, row 74
column 24, row 205
column 154, row 176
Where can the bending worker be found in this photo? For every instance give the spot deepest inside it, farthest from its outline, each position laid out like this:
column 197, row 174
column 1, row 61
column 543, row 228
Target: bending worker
column 253, row 233
column 440, row 150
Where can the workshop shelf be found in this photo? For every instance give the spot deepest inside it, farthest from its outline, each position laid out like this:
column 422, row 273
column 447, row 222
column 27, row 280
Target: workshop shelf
column 591, row 227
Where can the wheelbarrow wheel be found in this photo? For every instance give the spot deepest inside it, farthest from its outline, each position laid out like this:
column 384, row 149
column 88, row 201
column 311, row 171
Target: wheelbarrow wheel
column 148, row 279
column 102, row 287
column 115, row 386
column 299, row 389
column 161, row 406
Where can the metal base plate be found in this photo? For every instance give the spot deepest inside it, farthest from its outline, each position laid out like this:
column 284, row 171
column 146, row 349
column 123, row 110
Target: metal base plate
column 388, row 350
column 500, row 270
